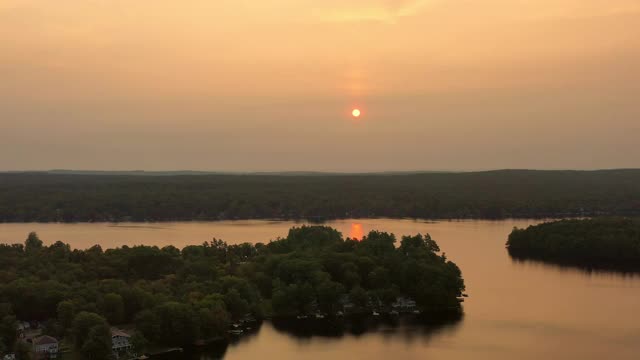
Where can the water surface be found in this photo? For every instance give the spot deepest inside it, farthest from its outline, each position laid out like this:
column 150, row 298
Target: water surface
column 515, row 310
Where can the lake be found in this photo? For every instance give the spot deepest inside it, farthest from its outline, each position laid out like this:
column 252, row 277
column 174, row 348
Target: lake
column 514, row 310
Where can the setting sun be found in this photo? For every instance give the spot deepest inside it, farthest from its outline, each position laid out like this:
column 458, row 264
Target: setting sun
column 355, row 113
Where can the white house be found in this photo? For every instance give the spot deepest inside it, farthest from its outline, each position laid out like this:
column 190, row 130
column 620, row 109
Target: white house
column 404, row 304
column 120, row 340
column 46, row 345
column 346, row 303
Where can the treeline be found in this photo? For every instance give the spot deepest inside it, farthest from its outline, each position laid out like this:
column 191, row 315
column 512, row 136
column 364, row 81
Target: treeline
column 599, row 243
column 176, row 297
column 493, row 195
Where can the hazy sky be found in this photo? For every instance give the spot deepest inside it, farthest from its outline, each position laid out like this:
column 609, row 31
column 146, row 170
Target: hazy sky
column 264, row 85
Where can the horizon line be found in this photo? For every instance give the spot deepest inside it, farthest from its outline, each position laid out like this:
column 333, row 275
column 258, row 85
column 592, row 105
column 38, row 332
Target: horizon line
column 291, row 172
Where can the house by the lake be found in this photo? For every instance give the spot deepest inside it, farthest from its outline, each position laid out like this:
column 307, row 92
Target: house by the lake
column 120, row 340
column 403, row 304
column 45, row 347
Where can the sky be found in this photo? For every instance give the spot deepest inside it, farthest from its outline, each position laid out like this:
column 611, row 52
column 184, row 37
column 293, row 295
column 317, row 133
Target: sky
column 239, row 85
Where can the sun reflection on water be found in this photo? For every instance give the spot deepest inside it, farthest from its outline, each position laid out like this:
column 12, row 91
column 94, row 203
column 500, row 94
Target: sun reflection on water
column 356, row 231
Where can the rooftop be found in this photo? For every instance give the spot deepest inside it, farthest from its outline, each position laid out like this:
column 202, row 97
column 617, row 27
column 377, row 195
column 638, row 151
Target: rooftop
column 118, row 332
column 45, row 340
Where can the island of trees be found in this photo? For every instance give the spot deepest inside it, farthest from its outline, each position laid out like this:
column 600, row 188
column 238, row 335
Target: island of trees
column 177, row 297
column 599, row 243
column 79, row 197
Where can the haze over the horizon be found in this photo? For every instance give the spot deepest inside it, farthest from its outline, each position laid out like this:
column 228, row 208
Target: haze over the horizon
column 269, row 85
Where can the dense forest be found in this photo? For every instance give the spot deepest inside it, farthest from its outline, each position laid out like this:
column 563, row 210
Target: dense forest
column 175, row 297
column 63, row 197
column 599, row 243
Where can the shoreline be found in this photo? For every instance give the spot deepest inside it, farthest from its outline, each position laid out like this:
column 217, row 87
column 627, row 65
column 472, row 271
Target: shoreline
column 314, row 221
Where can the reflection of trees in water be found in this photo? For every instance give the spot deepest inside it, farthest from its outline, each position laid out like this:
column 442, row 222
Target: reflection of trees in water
column 406, row 327
column 211, row 351
column 388, row 326
column 568, row 266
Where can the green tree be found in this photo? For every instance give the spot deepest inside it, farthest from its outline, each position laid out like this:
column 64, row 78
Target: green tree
column 214, row 321
column 305, row 297
column 148, row 323
column 177, row 323
column 8, row 331
column 379, row 278
column 66, row 313
column 378, row 243
column 5, row 309
column 282, row 300
column 329, row 294
column 53, row 328
column 23, row 351
column 113, row 308
column 358, row 297
column 97, row 345
column 139, row 343
column 33, row 243
column 418, row 245
column 236, row 305
column 213, row 315
column 82, row 325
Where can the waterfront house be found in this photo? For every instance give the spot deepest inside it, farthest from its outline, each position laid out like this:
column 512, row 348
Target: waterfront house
column 403, row 304
column 45, row 347
column 120, row 340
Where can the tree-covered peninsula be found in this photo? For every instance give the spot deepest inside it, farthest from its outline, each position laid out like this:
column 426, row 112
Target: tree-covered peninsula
column 599, row 243
column 176, row 297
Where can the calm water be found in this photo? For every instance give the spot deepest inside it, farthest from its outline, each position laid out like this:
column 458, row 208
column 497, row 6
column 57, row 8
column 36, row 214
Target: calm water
column 515, row 310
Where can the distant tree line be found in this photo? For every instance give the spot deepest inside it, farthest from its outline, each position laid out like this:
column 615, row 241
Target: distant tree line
column 490, row 195
column 599, row 243
column 176, row 297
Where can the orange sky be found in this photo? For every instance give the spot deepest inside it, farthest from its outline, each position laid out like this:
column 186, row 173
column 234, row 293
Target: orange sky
column 269, row 85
